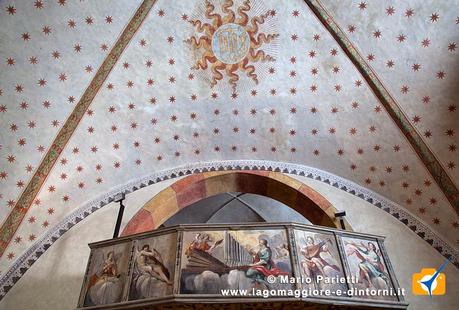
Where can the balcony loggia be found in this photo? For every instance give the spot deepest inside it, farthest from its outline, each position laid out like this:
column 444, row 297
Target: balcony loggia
column 281, row 265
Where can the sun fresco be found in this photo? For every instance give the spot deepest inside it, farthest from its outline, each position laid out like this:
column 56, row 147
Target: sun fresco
column 242, row 259
column 107, row 275
column 366, row 263
column 228, row 43
column 319, row 257
column 154, row 262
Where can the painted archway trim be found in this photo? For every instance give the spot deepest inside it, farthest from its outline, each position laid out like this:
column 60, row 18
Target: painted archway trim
column 300, row 197
column 26, row 260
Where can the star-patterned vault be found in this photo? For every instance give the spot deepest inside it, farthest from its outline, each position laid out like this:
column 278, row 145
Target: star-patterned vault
column 156, row 109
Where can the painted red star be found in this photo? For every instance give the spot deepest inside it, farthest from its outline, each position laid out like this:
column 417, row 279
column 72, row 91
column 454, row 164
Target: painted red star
column 46, row 30
column 71, row 23
column 441, row 75
column 434, row 17
column 401, row 38
column 56, row 54
column 390, row 10
column 25, row 36
column 404, row 89
column 409, row 13
column 42, row 82
column 11, row 10
column 39, row 4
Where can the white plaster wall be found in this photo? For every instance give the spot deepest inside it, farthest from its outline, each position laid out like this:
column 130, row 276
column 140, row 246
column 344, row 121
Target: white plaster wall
column 54, row 281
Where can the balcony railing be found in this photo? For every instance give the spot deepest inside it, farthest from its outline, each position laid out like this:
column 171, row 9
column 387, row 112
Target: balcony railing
column 247, row 263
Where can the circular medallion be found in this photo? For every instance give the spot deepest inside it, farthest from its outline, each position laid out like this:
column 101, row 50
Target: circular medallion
column 230, row 43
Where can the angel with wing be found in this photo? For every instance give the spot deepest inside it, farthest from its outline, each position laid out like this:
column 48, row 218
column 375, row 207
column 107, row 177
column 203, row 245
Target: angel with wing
column 371, row 268
column 314, row 263
column 202, row 242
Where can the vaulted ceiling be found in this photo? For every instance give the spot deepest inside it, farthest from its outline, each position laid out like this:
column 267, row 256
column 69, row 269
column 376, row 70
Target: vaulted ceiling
column 94, row 94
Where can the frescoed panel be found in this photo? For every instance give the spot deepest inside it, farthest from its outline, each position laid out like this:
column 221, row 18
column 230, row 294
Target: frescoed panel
column 366, row 264
column 236, row 259
column 319, row 261
column 153, row 267
column 107, row 274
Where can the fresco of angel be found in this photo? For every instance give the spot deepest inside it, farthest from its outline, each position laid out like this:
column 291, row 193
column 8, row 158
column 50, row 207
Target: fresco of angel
column 202, row 242
column 371, row 271
column 318, row 256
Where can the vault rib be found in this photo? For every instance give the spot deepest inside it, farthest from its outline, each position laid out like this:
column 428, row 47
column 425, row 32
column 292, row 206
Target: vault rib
column 17, row 214
column 423, row 151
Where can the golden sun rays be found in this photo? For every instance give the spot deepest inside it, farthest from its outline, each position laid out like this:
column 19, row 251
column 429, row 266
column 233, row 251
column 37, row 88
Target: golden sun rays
column 230, row 42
